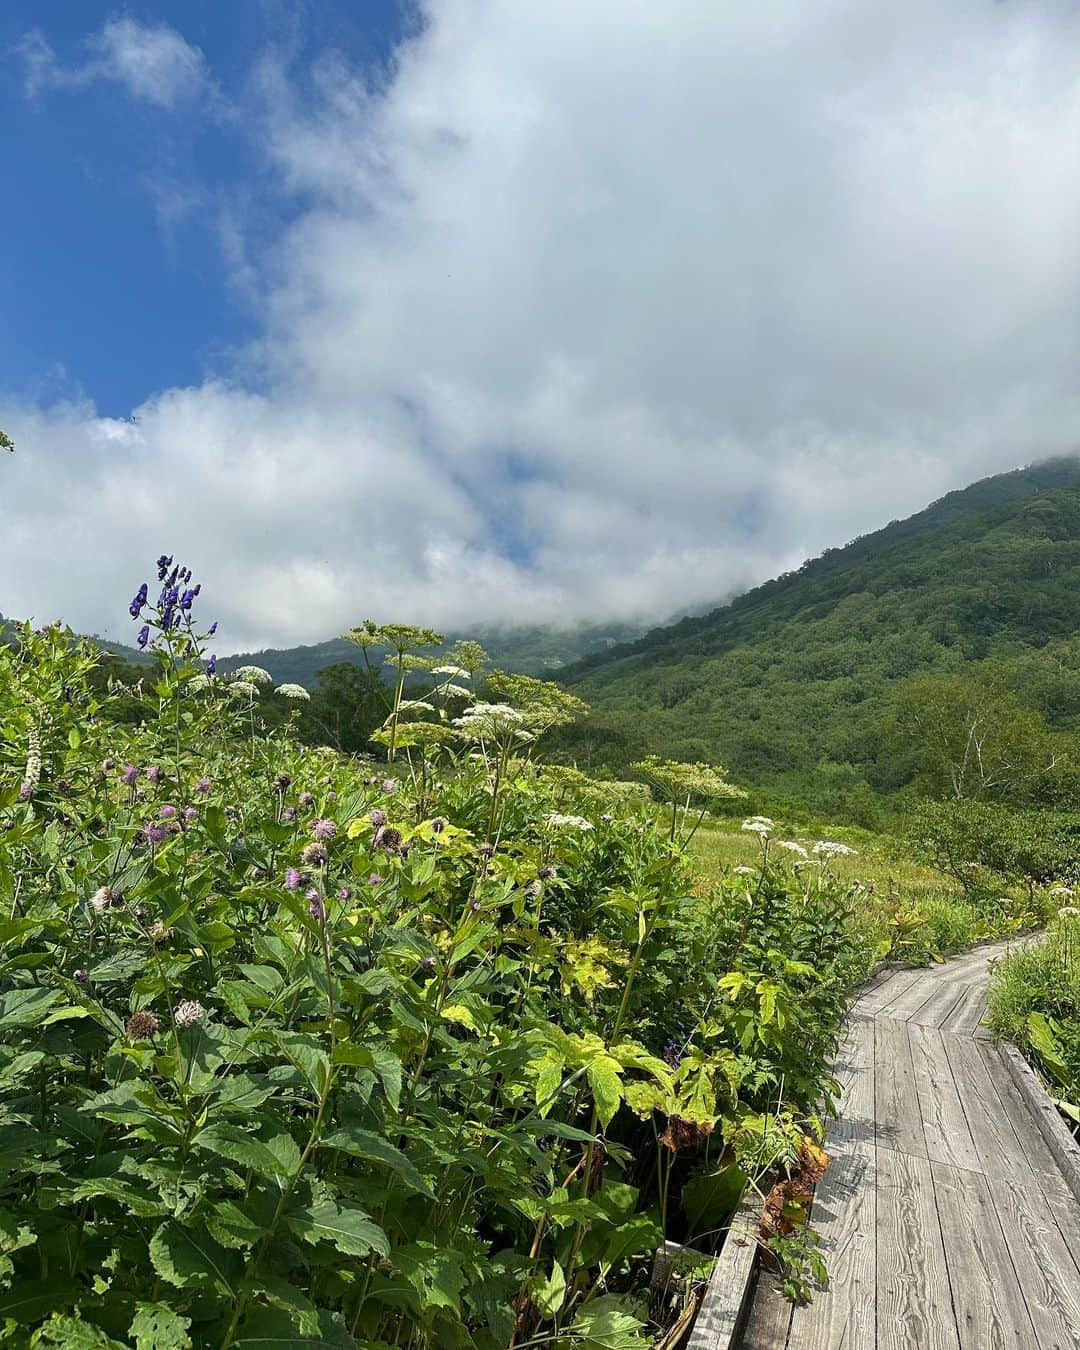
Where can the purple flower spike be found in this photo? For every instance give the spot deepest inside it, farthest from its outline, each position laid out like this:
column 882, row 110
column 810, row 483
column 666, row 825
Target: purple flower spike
column 144, row 634
column 211, row 666
column 212, row 629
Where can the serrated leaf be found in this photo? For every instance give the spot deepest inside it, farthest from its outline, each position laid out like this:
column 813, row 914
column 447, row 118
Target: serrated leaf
column 74, row 1334
column 136, row 1198
column 33, row 1300
column 548, row 1292
column 270, row 1329
column 307, row 1055
column 297, row 1306
column 372, row 1147
column 346, row 1226
column 156, row 1326
column 607, row 1088
column 229, row 1141
column 190, row 1258
column 228, row 1223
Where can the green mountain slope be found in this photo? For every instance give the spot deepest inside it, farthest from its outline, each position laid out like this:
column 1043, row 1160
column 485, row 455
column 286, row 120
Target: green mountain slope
column 790, row 684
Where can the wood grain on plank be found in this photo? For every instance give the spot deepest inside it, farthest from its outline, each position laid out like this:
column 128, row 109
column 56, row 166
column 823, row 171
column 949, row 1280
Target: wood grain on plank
column 948, row 1138
column 770, row 1317
column 844, row 1216
column 1044, row 1268
column 967, row 1012
column 1035, row 1148
column 897, row 1119
column 914, row 1304
column 1001, row 1153
column 856, row 1110
column 989, row 1308
column 879, row 995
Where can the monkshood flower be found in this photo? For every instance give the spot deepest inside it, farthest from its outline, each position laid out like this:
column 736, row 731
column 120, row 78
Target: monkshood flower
column 144, row 635
column 211, row 665
column 136, row 606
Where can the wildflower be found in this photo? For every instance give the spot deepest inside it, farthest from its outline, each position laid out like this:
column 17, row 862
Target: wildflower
column 307, row 799
column 386, row 838
column 606, row 818
column 560, row 822
column 141, row 1026
column 829, row 848
column 295, row 691
column 745, row 871
column 534, row 889
column 324, row 829
column 129, row 774
column 1068, row 912
column 547, row 873
column 293, row 879
column 188, row 1013
column 672, row 1054
column 792, row 847
column 345, row 893
column 389, row 786
column 374, row 879
column 243, row 689
column 154, row 774
column 438, row 825
column 315, row 855
column 281, row 782
column 762, row 826
column 485, row 850
column 157, row 932
column 253, row 675
column 212, row 630
column 167, row 812
column 289, row 813
column 81, row 975
column 155, row 833
column 211, row 667
column 190, row 813
column 26, row 790
column 203, row 785
column 377, row 818
column 102, row 898
column 428, row 963
column 144, row 635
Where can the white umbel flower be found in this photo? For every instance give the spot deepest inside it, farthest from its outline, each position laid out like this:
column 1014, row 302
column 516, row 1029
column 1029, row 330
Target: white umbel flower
column 561, row 822
column 829, row 848
column 253, row 675
column 243, row 688
column 296, row 691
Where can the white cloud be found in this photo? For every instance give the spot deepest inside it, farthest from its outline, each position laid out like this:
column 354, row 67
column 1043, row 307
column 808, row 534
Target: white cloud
column 151, row 61
column 601, row 310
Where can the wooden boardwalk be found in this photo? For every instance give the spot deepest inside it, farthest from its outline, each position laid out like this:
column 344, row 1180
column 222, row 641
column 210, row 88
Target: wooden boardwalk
column 945, row 1221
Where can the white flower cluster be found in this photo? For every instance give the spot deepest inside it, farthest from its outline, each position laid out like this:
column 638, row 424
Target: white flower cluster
column 829, row 848
column 252, row 675
column 454, row 672
column 745, row 871
column 561, row 822
column 489, row 721
column 759, row 825
column 792, row 847
column 242, row 688
column 296, row 691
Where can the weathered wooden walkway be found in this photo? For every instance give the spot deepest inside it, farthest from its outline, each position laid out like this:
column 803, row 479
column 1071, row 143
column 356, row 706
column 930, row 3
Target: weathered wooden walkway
column 945, row 1221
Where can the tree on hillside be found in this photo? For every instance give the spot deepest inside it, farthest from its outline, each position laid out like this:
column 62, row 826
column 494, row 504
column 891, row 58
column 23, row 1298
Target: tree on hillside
column 344, row 710
column 970, row 737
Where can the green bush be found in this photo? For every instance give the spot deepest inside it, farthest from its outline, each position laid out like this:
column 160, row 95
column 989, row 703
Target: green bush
column 299, row 1049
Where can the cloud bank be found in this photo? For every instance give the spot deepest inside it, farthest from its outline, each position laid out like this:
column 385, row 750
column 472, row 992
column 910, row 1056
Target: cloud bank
column 595, row 311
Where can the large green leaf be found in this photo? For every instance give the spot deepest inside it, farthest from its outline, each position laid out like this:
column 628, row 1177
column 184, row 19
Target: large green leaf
column 373, row 1148
column 344, row 1225
column 603, row 1076
column 606, row 1324
column 229, row 1141
column 156, row 1326
column 271, row 1329
column 190, row 1258
column 32, row 1300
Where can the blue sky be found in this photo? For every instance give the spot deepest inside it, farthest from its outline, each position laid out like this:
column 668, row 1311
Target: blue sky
column 112, row 271
column 472, row 311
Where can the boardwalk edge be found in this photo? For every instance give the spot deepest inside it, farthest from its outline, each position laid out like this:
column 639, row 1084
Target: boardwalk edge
column 1059, row 1138
column 726, row 1301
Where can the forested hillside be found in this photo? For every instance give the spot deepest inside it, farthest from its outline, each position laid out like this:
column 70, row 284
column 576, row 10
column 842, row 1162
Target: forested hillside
column 807, row 685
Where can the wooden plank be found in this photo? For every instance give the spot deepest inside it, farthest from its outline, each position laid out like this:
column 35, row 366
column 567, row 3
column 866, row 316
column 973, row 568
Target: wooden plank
column 968, row 1013
column 989, row 1308
column 844, row 1215
column 940, row 1006
column 1066, row 1214
column 770, row 1316
column 1000, row 1152
column 1044, row 1269
column 914, row 1305
column 880, row 994
column 948, row 1139
column 915, row 997
column 1036, row 1150
column 855, row 1111
column 897, row 1118
column 720, row 1316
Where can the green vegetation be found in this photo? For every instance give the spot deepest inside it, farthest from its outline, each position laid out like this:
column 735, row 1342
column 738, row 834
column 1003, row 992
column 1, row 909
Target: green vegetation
column 812, row 687
column 300, row 1048
column 1035, row 1001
